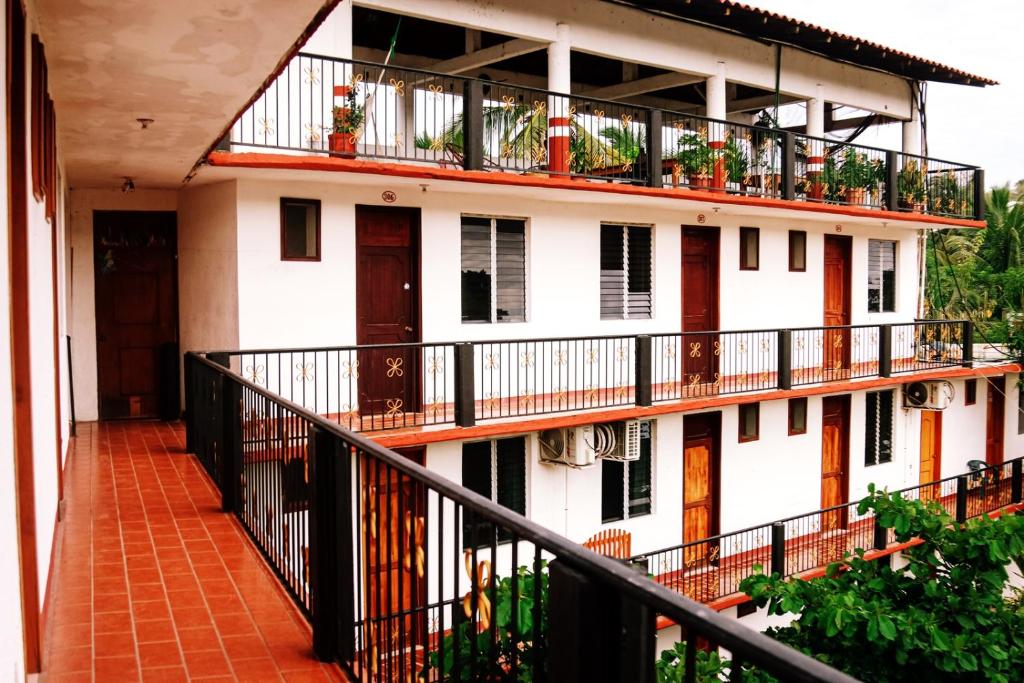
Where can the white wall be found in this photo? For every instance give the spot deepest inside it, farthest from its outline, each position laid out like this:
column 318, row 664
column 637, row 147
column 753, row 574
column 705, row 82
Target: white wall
column 208, row 268
column 12, row 663
column 81, row 299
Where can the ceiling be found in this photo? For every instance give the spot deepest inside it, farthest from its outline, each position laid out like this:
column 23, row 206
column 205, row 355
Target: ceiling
column 190, row 65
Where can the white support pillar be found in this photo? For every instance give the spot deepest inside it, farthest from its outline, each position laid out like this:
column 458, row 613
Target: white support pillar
column 559, row 81
column 715, row 96
column 815, row 147
column 912, row 132
column 334, row 37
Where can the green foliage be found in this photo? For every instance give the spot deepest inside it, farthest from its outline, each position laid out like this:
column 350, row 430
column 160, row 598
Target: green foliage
column 736, row 162
column 940, row 618
column 349, row 119
column 696, row 158
column 709, row 667
column 626, row 142
column 910, row 184
column 493, row 660
column 856, row 170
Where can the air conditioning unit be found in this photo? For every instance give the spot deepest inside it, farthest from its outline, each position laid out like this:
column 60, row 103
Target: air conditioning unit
column 571, row 447
column 618, row 440
column 927, row 395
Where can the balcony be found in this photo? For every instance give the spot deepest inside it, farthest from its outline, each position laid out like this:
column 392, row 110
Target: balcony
column 710, row 569
column 403, row 574
column 448, row 384
column 351, row 109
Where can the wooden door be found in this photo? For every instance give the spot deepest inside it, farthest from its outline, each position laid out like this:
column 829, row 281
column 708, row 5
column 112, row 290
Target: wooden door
column 836, row 343
column 387, row 311
column 931, row 451
column 394, row 552
column 700, row 303
column 700, row 485
column 994, row 421
column 835, row 459
column 136, row 310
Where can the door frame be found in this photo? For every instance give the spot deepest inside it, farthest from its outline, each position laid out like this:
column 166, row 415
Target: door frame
column 844, row 400
column 846, row 242
column 416, row 243
column 714, row 237
column 995, row 388
column 937, row 439
column 713, row 421
column 175, row 305
column 715, row 234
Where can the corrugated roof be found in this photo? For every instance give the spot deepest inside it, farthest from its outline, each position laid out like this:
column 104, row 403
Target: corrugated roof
column 760, row 24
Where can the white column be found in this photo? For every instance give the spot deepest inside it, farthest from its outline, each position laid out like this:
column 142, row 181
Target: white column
column 816, row 115
column 912, row 132
column 334, row 37
column 559, row 80
column 815, row 147
column 715, row 95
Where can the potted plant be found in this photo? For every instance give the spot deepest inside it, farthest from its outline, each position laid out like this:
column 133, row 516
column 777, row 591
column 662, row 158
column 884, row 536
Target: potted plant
column 910, row 186
column 348, row 123
column 856, row 174
column 831, row 185
column 945, row 196
column 696, row 159
column 736, row 164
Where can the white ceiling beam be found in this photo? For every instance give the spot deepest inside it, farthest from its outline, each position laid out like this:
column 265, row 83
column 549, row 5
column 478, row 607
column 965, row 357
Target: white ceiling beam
column 488, row 55
column 641, row 86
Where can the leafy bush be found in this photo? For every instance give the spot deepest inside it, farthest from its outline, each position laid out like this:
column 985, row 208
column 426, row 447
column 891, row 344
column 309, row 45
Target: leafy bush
column 940, row 618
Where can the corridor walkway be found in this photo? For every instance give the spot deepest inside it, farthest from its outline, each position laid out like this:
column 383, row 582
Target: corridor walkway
column 152, row 582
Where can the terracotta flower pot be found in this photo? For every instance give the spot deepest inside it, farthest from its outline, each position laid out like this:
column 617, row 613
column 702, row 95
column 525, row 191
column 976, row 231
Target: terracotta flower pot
column 343, row 143
column 700, row 182
column 855, row 195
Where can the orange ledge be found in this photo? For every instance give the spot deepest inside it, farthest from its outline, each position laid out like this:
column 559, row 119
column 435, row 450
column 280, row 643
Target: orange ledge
column 740, row 598
column 399, row 439
column 337, row 164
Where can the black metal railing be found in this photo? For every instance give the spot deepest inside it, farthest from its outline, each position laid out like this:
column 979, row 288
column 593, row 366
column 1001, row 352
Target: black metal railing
column 352, row 108
column 397, row 386
column 406, row 575
column 710, row 568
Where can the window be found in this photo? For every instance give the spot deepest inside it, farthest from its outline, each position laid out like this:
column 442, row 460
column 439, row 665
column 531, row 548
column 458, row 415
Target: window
column 797, row 416
column 749, row 248
column 300, row 229
column 750, row 419
column 626, row 486
column 797, row 251
column 625, row 272
column 878, row 427
column 496, row 470
column 970, row 392
column 881, row 276
column 493, row 269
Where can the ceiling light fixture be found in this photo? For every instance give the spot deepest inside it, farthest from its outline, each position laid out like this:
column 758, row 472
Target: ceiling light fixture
column 128, row 185
column 144, row 122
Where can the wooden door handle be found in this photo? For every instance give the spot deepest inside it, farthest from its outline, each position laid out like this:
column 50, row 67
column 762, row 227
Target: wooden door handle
column 408, row 328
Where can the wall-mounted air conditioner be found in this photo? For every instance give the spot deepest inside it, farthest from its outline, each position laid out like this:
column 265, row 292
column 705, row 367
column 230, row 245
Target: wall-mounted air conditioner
column 573, row 447
column 928, row 395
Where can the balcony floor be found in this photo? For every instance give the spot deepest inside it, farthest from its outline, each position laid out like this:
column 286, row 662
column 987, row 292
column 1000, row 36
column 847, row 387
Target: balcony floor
column 152, row 581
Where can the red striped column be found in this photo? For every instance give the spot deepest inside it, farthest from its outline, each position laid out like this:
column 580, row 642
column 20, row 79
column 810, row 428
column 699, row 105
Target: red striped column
column 559, row 134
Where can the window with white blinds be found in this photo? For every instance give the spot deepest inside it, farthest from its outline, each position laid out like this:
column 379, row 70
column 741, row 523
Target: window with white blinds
column 878, row 420
column 496, row 470
column 493, row 269
column 881, row 276
column 625, row 272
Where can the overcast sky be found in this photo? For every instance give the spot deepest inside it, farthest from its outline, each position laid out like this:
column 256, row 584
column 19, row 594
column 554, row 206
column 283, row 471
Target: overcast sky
column 981, row 126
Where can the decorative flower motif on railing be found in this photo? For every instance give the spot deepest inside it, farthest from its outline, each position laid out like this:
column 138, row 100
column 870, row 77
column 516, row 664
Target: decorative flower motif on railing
column 670, row 386
column 670, row 351
column 266, row 126
column 764, row 377
column 527, row 399
column 491, row 401
column 694, row 349
column 394, row 407
column 435, row 89
column 313, row 135
column 560, row 396
column 799, row 344
column 621, row 391
column 349, row 413
column 591, row 356
column 492, row 361
column 355, row 79
column 837, row 365
column 599, row 113
column 350, row 369
column 837, row 341
column 304, row 372
column 539, row 107
column 526, row 359
column 312, row 75
column 741, row 347
column 718, row 381
column 435, row 364
column 482, row 581
column 718, row 348
column 398, row 85
column 434, row 406
column 255, row 373
column 394, row 367
column 539, row 153
column 694, row 380
column 398, row 138
column 590, row 393
column 561, row 358
column 621, row 352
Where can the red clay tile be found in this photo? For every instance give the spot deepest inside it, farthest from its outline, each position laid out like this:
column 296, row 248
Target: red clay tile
column 198, row 639
column 116, row 669
column 161, row 630
column 72, row 659
column 150, row 609
column 164, row 675
column 207, row 663
column 191, row 617
column 158, row 655
column 244, row 647
column 114, row 644
column 112, row 622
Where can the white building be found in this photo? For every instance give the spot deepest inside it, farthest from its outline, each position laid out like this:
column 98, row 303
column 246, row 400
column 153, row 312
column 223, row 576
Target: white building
column 566, row 214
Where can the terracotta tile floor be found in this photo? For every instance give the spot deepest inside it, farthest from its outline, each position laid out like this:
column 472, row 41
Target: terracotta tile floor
column 152, row 582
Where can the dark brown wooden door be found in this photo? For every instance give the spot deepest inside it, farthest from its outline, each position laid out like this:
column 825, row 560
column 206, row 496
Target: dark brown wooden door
column 700, row 484
column 835, row 459
column 136, row 309
column 994, row 421
column 700, row 303
column 395, row 556
column 387, row 310
column 931, row 452
column 836, row 343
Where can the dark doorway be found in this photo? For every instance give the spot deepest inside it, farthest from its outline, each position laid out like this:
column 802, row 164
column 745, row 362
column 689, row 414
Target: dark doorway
column 136, row 313
column 387, row 312
column 700, row 304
